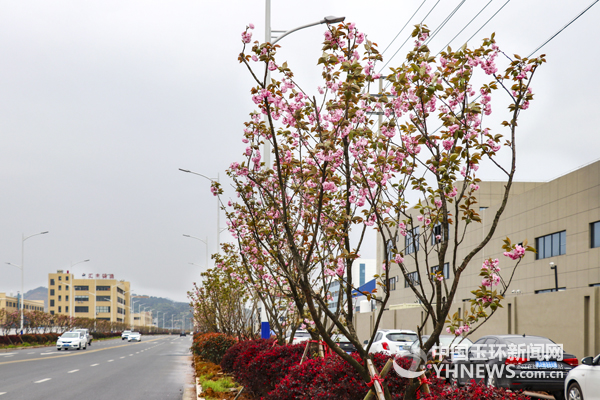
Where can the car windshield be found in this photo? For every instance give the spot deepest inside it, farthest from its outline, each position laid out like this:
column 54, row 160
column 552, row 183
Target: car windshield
column 70, row 335
column 402, row 337
column 302, row 334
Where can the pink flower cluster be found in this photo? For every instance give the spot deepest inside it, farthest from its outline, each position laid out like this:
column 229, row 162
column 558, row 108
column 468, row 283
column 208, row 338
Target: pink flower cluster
column 516, row 253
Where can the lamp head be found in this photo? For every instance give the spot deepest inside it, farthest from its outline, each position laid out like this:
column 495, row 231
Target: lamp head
column 333, row 20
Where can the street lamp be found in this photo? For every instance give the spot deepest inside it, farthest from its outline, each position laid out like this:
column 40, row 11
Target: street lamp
column 71, row 291
column 22, row 267
column 268, row 38
column 203, row 241
column 555, row 268
column 131, row 312
column 219, row 230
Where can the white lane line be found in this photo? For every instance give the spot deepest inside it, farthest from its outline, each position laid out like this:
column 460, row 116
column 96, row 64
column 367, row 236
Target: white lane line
column 10, row 355
column 110, row 360
column 121, row 357
column 93, row 365
column 70, row 372
column 2, row 393
column 43, row 380
column 45, row 354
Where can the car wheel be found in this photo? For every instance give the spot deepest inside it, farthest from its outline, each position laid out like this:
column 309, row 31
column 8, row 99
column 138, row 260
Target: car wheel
column 574, row 392
column 57, row 349
column 79, row 348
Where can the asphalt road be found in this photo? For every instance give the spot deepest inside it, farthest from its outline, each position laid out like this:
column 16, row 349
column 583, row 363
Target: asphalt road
column 156, row 368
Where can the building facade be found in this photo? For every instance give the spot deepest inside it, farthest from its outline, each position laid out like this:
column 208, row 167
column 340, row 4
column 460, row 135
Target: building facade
column 11, row 304
column 94, row 296
column 561, row 220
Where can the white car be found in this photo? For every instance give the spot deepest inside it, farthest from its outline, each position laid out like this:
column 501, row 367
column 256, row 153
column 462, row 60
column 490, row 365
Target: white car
column 134, row 337
column 300, row 336
column 125, row 334
column 391, row 341
column 71, row 340
column 583, row 382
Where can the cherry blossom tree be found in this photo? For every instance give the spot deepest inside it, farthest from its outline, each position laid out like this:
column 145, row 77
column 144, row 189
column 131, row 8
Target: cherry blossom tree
column 300, row 221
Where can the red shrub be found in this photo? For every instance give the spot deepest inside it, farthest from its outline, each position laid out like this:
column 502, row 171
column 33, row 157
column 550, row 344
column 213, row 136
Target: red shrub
column 247, row 354
column 270, row 366
column 296, row 383
column 233, row 353
column 212, row 346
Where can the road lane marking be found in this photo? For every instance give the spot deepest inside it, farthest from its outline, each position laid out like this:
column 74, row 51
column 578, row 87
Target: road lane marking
column 2, row 393
column 110, row 360
column 43, row 354
column 93, row 365
column 43, row 380
column 70, row 372
column 68, row 355
column 122, row 357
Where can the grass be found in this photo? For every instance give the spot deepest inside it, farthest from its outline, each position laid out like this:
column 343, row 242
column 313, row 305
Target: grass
column 221, row 385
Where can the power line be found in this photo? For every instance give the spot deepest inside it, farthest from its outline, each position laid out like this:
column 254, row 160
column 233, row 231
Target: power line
column 448, row 18
column 407, row 22
column 465, row 27
column 563, row 28
column 486, row 22
column 402, row 45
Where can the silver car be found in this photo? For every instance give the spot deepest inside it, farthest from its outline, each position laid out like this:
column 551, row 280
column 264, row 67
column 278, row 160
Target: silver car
column 134, row 337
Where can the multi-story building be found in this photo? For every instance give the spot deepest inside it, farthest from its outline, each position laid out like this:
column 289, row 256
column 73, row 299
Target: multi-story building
column 554, row 293
column 142, row 319
column 98, row 296
column 363, row 271
column 12, row 304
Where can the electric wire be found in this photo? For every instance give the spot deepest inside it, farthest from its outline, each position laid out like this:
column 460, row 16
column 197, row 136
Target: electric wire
column 405, row 25
column 465, row 27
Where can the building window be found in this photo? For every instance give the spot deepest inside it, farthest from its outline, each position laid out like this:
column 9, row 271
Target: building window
column 102, row 309
column 60, row 278
column 413, row 277
column 81, row 309
column 52, row 312
column 66, row 278
column 445, row 270
column 551, row 245
column 411, row 241
column 66, row 287
column 59, row 287
column 66, row 298
column 437, row 236
column 390, row 249
column 59, row 309
column 82, row 298
column 102, row 298
column 363, row 268
column 51, row 303
column 51, row 282
column 595, row 231
column 59, row 297
column 121, row 291
column 103, row 288
column 51, row 292
column 82, row 287
column 66, row 308
column 392, row 282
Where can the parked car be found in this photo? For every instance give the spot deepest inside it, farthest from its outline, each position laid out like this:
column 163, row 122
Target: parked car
column 71, row 340
column 134, row 337
column 182, row 334
column 391, row 341
column 495, row 361
column 86, row 333
column 583, row 382
column 300, row 336
column 125, row 335
column 344, row 343
column 457, row 347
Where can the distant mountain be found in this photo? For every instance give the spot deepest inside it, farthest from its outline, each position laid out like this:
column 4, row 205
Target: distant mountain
column 40, row 293
column 172, row 310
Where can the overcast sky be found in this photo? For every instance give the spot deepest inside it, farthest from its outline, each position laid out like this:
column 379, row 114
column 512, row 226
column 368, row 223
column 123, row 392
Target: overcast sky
column 102, row 101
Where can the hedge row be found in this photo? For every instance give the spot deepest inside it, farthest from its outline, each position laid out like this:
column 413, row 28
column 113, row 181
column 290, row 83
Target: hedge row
column 38, row 338
column 273, row 372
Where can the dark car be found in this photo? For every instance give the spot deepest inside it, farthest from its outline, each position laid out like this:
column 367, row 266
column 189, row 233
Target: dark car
column 344, row 343
column 182, row 334
column 516, row 362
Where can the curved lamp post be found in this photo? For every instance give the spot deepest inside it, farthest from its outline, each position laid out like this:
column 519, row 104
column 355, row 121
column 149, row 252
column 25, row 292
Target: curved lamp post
column 22, row 267
column 203, row 241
